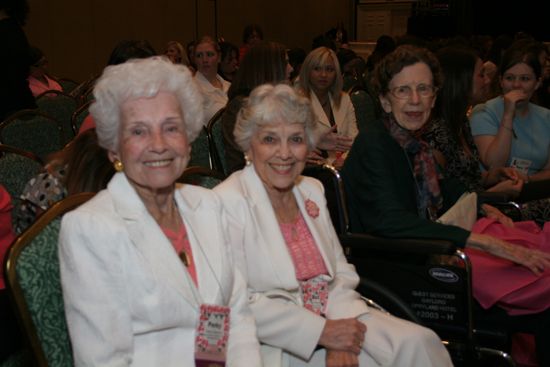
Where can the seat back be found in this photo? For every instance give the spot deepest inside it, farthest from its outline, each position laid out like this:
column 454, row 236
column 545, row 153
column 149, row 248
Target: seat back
column 34, row 286
column 200, row 152
column 32, row 131
column 61, row 107
column 334, row 192
column 67, row 84
column 79, row 115
column 17, row 168
column 201, row 176
column 215, row 142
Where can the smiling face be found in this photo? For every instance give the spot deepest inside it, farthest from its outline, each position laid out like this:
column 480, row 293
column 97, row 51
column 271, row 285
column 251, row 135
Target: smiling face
column 153, row 143
column 278, row 152
column 207, row 59
column 410, row 113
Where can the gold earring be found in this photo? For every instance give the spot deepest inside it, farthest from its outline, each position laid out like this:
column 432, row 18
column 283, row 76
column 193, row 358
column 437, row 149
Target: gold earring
column 119, row 166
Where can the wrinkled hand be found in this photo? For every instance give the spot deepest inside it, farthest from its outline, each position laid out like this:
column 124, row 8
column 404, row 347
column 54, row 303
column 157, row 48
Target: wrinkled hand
column 337, row 358
column 493, row 213
column 510, row 187
column 496, row 175
column 332, row 141
column 535, row 260
column 344, row 335
column 315, row 157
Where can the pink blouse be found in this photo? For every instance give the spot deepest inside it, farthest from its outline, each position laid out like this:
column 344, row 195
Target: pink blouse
column 180, row 241
column 307, row 259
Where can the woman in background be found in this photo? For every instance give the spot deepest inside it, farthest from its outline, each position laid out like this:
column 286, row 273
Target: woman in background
column 266, row 62
column 213, row 87
column 321, row 81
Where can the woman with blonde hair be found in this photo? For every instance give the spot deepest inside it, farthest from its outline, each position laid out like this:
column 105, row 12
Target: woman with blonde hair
column 321, row 81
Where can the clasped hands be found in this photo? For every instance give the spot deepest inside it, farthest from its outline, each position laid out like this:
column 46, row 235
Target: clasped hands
column 343, row 340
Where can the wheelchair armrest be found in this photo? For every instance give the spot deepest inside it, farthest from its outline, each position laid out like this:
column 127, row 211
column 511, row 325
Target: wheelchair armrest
column 356, row 244
column 486, row 197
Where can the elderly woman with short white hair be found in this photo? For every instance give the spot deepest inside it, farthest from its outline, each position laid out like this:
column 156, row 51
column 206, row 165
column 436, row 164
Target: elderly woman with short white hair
column 146, row 276
column 301, row 288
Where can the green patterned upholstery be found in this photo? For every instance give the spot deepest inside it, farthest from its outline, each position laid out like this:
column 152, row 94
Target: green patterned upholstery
column 17, row 170
column 201, row 176
column 200, row 154
column 22, row 358
column 38, row 274
column 32, row 131
column 61, row 107
column 215, row 141
column 34, row 285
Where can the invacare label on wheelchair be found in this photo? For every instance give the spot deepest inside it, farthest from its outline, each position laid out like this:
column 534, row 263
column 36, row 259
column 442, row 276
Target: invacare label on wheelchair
column 443, row 275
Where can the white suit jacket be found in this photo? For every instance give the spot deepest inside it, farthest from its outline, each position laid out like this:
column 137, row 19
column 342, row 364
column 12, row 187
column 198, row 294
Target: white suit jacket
column 344, row 116
column 129, row 300
column 213, row 98
column 260, row 252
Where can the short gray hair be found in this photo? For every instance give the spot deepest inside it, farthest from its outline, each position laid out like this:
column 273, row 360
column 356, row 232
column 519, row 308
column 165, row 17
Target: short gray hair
column 268, row 104
column 143, row 78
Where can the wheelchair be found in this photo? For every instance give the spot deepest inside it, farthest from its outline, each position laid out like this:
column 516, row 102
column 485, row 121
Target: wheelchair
column 424, row 281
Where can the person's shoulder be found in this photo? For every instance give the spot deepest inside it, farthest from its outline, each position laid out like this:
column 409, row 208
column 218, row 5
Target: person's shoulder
column 488, row 106
column 540, row 110
column 231, row 187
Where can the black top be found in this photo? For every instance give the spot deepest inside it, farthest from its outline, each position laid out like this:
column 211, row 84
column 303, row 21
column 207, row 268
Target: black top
column 15, row 93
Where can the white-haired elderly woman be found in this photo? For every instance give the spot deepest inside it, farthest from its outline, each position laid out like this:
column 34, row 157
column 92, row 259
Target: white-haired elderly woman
column 147, row 280
column 321, row 81
column 301, row 288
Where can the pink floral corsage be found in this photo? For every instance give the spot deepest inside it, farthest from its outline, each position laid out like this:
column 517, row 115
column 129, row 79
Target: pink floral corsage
column 312, row 208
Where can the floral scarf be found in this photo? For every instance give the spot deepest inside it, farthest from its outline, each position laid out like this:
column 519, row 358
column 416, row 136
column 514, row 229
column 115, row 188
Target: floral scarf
column 428, row 195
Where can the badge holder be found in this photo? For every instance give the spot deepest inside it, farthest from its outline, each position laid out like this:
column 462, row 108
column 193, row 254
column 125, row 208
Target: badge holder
column 315, row 295
column 212, row 336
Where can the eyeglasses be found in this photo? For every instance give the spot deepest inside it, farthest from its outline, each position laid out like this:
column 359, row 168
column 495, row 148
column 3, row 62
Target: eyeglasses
column 406, row 91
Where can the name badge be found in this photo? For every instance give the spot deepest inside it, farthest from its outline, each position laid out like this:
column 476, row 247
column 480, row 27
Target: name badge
column 212, row 336
column 315, row 295
column 522, row 165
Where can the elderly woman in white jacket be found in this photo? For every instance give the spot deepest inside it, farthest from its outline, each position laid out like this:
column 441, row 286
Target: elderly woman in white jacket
column 321, row 81
column 301, row 288
column 145, row 265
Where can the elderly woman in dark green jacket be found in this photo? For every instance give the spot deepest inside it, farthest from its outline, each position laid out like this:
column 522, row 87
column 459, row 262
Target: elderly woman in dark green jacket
column 390, row 175
column 392, row 184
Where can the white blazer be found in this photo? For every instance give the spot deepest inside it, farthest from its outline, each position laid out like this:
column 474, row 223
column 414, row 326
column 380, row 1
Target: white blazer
column 129, row 300
column 344, row 116
column 213, row 98
column 260, row 252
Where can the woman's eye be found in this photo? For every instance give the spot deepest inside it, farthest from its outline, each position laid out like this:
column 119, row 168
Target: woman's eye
column 137, row 132
column 268, row 139
column 297, row 139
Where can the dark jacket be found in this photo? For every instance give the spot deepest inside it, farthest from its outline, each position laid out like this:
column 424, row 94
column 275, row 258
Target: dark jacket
column 381, row 191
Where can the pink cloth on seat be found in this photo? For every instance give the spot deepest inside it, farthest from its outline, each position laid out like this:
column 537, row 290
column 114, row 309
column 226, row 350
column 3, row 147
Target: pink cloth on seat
column 501, row 282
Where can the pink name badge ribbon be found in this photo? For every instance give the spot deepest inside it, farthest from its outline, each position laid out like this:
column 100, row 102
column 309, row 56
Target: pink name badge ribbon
column 212, row 336
column 315, row 295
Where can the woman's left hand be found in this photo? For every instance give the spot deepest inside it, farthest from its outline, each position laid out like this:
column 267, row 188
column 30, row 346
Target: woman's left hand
column 493, row 213
column 338, row 358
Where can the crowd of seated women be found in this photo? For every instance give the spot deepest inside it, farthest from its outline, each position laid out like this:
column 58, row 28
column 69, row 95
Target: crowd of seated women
column 252, row 273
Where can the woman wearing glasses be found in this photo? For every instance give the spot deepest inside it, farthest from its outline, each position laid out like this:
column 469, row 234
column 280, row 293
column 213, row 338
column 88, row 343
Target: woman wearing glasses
column 392, row 186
